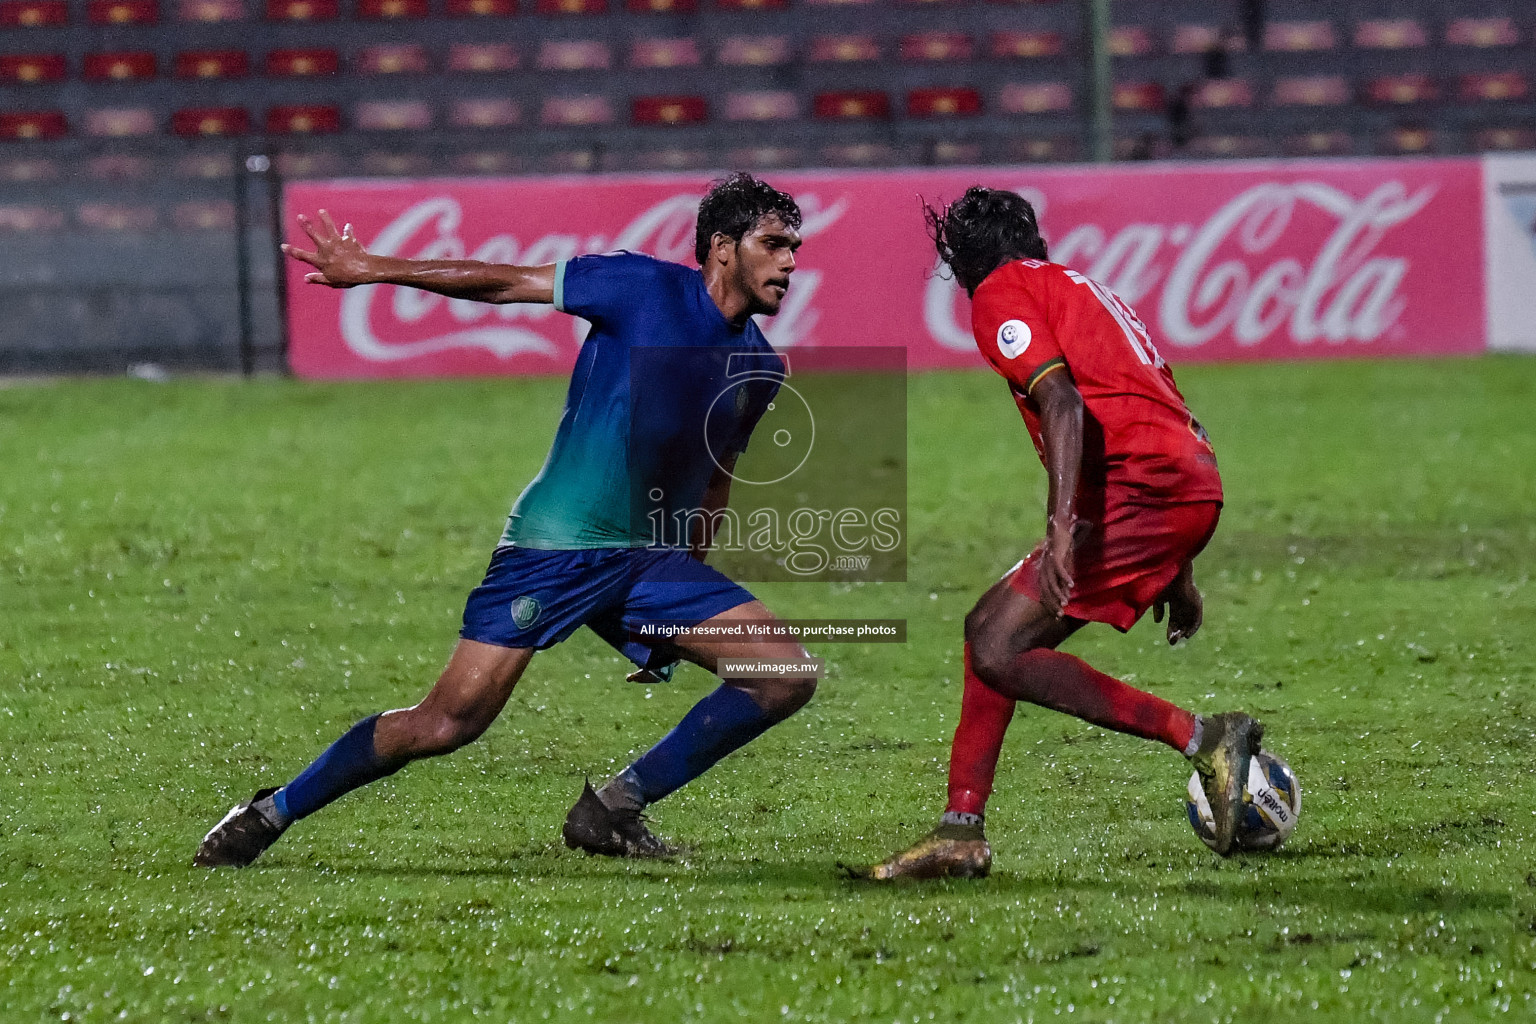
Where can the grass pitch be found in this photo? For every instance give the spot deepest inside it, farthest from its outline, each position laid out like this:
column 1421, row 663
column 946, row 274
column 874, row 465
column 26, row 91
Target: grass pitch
column 203, row 583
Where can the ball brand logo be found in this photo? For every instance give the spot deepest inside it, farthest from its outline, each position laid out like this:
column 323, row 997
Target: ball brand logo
column 1013, row 337
column 525, row 611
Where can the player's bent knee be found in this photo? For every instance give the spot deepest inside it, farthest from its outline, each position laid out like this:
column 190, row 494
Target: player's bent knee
column 443, row 734
column 780, row 698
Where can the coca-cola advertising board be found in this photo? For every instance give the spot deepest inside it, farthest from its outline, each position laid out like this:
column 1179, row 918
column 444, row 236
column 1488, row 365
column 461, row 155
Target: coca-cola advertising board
column 1282, row 260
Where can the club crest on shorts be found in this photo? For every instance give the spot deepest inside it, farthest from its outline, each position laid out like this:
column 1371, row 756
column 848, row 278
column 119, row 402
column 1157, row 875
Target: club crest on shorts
column 1013, row 337
column 525, row 611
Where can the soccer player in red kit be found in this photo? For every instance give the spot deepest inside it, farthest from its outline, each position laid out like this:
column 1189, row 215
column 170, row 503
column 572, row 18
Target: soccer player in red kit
column 1134, row 496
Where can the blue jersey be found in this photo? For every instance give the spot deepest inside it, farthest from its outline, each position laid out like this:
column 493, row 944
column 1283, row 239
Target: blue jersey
column 665, row 390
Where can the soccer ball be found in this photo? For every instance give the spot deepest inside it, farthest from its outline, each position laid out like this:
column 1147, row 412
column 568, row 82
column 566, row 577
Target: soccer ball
column 1272, row 804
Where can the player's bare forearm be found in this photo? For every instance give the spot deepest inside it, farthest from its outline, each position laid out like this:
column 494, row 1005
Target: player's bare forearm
column 1061, row 430
column 340, row 261
column 716, row 497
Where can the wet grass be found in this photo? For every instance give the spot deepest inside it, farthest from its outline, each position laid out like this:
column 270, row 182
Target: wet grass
column 202, row 583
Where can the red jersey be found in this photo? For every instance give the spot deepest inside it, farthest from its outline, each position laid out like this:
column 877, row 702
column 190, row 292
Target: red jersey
column 1031, row 318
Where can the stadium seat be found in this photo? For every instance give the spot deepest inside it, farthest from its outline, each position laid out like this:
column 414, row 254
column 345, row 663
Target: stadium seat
column 193, row 122
column 678, row 52
column 388, row 163
column 30, row 217
column 123, row 12
column 1400, row 90
column 124, row 66
column 751, row 5
column 1321, row 143
column 28, row 168
column 204, row 165
column 765, row 105
column 98, row 216
column 1227, row 146
column 302, row 10
column 852, row 105
column 1131, row 41
column 212, row 64
column 483, row 57
column 33, row 13
column 1197, row 39
column 119, row 167
column 1409, row 141
column 858, row 154
column 576, row 110
column 934, row 46
column 394, row 59
column 1504, row 139
column 25, row 68
column 568, row 161
column 392, row 10
column 573, row 6
column 392, row 116
column 312, row 164
column 1035, row 98
column 1217, row 94
column 1482, row 32
column 1311, row 91
column 1028, row 45
column 204, row 215
column 1391, row 34
column 488, row 162
column 755, row 51
column 1145, row 96
column 120, row 123
column 661, row 6
column 574, row 55
column 302, row 63
column 490, row 112
column 764, row 157
column 1299, row 36
column 676, row 158
column 844, row 49
column 480, row 8
column 943, row 102
column 955, row 151
column 303, row 119
column 669, row 110
column 1499, row 85
column 210, row 11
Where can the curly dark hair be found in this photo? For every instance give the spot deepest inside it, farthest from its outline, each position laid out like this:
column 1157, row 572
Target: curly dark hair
column 981, row 231
column 734, row 205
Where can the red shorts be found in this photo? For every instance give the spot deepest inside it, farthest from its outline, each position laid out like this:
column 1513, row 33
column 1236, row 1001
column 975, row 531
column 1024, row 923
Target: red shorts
column 1126, row 559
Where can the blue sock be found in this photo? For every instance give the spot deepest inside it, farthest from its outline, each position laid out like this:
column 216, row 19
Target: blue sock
column 348, row 763
column 720, row 723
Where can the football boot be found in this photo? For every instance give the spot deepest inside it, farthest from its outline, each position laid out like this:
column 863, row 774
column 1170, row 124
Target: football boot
column 949, row 851
column 596, row 828
column 239, row 837
column 1229, row 742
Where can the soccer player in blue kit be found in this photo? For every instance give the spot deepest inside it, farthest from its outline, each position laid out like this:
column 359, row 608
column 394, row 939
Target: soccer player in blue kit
column 578, row 548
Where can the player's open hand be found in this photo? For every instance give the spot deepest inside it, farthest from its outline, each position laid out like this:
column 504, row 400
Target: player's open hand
column 339, row 259
column 1185, row 607
column 1056, row 567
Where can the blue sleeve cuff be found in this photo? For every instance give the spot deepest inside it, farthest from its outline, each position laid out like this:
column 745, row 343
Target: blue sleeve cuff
column 560, row 285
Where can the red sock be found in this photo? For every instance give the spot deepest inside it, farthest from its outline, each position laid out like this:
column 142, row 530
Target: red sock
column 1060, row 681
column 984, row 718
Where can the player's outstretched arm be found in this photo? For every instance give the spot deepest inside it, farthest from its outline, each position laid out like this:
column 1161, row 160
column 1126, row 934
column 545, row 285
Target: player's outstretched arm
column 1061, row 428
column 340, row 261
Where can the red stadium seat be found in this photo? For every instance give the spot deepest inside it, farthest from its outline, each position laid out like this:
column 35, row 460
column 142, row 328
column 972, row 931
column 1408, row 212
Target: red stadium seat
column 765, row 105
column 1131, row 41
column 755, row 51
column 1409, row 141
column 943, row 102
column 212, row 64
column 210, row 121
column 1498, row 85
column 392, row 10
column 303, row 119
column 1311, row 91
column 1482, row 32
column 26, row 68
column 1147, row 96
column 576, row 110
column 30, row 217
column 1397, row 90
column 680, row 52
column 1321, row 143
column 1196, row 39
column 1035, row 98
column 1028, row 45
column 932, row 46
column 23, row 169
column 119, row 123
column 1505, row 139
column 483, row 57
column 480, row 8
column 204, row 215
column 669, row 110
column 302, row 10
column 117, row 217
column 955, row 151
column 1221, row 93
column 1299, row 36
column 661, row 6
column 392, row 116
column 394, row 59
column 1391, row 34
column 845, row 49
column 131, row 66
column 210, row 11
column 751, row 5
column 574, row 55
column 37, row 124
column 123, row 12
column 573, row 6
column 302, row 63
column 852, row 105
column 33, row 13
column 491, row 112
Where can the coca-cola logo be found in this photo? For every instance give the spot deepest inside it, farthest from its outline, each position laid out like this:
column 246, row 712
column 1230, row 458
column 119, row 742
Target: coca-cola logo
column 385, row 323
column 1322, row 279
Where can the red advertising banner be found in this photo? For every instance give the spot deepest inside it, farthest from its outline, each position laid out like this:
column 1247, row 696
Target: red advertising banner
column 1270, row 260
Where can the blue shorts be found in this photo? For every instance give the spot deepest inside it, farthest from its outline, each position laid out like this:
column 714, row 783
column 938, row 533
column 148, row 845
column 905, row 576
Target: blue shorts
column 534, row 598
